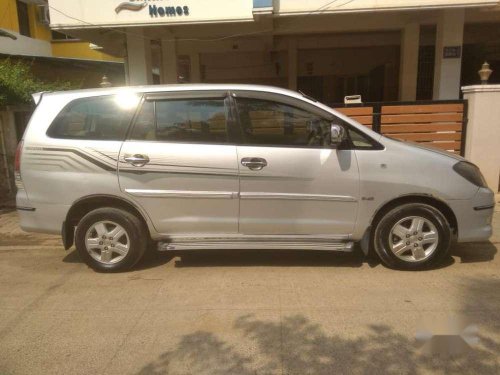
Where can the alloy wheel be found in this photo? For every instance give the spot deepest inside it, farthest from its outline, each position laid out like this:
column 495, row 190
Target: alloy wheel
column 413, row 239
column 107, row 242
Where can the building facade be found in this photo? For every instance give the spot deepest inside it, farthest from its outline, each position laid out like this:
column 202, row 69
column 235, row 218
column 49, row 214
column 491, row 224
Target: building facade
column 25, row 34
column 384, row 50
column 28, row 21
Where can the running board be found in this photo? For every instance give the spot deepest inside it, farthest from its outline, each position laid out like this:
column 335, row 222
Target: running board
column 256, row 245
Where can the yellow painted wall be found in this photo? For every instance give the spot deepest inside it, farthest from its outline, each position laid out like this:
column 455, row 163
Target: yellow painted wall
column 40, row 31
column 79, row 50
column 8, row 15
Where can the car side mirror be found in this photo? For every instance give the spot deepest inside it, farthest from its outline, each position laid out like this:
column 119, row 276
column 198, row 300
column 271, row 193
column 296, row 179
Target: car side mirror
column 337, row 134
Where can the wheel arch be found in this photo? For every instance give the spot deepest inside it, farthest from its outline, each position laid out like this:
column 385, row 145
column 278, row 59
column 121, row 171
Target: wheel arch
column 86, row 204
column 367, row 240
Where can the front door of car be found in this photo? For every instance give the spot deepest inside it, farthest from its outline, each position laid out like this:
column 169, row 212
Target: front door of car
column 292, row 182
column 178, row 165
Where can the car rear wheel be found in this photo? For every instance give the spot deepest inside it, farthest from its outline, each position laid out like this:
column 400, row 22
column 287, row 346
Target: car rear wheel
column 110, row 239
column 412, row 236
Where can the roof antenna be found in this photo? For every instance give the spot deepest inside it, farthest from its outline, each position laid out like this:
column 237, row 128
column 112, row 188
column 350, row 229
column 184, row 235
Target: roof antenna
column 307, row 96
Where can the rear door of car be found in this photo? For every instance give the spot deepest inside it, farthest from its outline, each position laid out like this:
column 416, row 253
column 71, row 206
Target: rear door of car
column 178, row 163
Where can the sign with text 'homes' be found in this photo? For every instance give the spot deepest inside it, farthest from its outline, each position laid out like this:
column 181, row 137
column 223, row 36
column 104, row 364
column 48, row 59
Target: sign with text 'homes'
column 95, row 13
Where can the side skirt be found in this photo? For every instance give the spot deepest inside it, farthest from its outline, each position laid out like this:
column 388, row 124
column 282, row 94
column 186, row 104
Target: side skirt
column 256, row 243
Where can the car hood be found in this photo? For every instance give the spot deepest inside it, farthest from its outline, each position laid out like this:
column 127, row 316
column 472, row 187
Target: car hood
column 431, row 149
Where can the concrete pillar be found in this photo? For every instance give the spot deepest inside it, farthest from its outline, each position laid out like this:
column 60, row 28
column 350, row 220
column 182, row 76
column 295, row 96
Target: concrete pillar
column 483, row 129
column 449, row 33
column 194, row 58
column 408, row 73
column 138, row 64
column 168, row 70
column 292, row 64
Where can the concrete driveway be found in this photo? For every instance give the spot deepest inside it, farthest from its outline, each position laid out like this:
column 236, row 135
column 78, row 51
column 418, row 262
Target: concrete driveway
column 238, row 313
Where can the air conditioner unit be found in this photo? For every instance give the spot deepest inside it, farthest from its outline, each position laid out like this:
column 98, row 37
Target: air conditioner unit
column 43, row 14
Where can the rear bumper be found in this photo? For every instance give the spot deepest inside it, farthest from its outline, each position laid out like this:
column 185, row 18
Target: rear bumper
column 41, row 218
column 474, row 216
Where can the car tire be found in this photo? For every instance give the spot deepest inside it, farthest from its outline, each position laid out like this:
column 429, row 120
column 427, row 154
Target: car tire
column 412, row 236
column 110, row 239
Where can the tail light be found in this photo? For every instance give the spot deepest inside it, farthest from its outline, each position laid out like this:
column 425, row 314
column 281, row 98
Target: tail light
column 17, row 166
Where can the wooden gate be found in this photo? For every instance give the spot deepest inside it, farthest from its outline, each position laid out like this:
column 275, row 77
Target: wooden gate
column 440, row 124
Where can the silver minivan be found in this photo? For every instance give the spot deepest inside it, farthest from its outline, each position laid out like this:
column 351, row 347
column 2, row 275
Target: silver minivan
column 236, row 167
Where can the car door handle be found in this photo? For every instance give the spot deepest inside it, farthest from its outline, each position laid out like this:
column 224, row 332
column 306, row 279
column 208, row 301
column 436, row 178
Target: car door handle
column 254, row 164
column 137, row 160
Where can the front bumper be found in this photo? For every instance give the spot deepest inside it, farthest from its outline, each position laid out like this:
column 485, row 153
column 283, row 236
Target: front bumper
column 474, row 216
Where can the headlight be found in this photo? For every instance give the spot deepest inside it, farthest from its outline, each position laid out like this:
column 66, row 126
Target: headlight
column 470, row 172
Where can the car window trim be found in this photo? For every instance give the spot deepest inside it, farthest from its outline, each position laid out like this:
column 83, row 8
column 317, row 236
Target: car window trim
column 134, row 117
column 284, row 99
column 173, row 95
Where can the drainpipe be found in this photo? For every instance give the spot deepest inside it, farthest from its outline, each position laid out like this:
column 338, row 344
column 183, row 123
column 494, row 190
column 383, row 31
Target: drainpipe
column 4, row 153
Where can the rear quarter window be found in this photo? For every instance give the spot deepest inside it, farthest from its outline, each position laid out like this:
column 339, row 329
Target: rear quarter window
column 95, row 118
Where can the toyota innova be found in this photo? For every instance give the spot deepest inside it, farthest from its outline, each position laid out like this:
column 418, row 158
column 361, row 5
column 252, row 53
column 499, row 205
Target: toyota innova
column 236, row 167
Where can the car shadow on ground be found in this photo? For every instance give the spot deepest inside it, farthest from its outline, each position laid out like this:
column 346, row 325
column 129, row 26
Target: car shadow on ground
column 296, row 345
column 151, row 259
column 474, row 252
column 271, row 258
column 467, row 253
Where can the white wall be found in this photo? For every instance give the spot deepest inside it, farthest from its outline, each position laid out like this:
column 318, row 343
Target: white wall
column 483, row 130
column 138, row 60
column 300, row 6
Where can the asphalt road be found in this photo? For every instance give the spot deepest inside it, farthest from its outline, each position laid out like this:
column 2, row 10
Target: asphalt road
column 239, row 313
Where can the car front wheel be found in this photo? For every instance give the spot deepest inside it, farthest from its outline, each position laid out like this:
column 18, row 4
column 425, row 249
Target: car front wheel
column 412, row 236
column 110, row 239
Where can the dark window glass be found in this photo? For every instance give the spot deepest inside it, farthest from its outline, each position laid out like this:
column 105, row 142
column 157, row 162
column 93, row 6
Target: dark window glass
column 144, row 127
column 23, row 18
column 190, row 121
column 56, row 35
column 97, row 118
column 361, row 141
column 271, row 123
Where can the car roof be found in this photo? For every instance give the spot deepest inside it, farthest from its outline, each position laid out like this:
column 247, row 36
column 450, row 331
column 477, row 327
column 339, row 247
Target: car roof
column 176, row 87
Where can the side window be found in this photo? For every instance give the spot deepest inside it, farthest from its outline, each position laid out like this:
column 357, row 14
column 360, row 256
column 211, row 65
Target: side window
column 360, row 141
column 267, row 122
column 182, row 120
column 96, row 118
column 144, row 127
